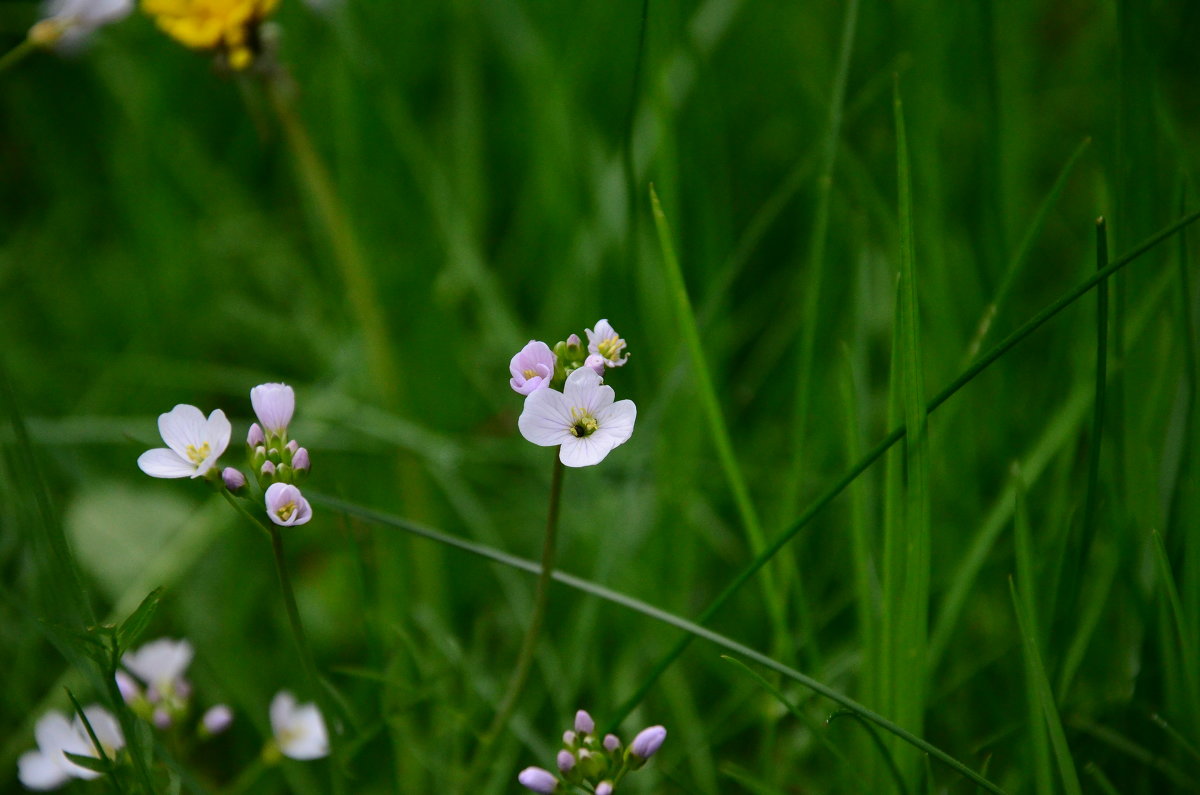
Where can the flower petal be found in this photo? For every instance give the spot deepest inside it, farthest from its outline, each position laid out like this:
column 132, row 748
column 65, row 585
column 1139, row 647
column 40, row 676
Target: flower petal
column 39, row 771
column 160, row 662
column 163, row 463
column 182, row 426
column 282, row 707
column 583, row 451
column 306, row 737
column 546, row 420
column 616, row 422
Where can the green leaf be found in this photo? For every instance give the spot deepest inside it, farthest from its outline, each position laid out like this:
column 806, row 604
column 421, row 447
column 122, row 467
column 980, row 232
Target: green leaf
column 132, row 628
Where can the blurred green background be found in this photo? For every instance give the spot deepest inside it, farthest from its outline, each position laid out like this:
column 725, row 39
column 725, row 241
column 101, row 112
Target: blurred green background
column 158, row 246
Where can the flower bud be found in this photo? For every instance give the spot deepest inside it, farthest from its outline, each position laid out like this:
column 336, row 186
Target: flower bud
column 596, row 362
column 292, row 446
column 611, row 743
column 538, row 780
column 565, row 760
column 255, row 437
column 235, row 481
column 268, row 469
column 216, row 720
column 647, row 742
column 584, row 723
column 274, row 404
column 604, row 788
column 569, row 738
column 162, row 719
column 300, row 460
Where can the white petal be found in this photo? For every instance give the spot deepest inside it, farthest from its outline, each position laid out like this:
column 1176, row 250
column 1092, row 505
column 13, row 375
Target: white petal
column 584, row 389
column 163, row 463
column 160, row 662
column 53, row 731
column 583, row 451
column 182, row 426
column 616, row 422
column 107, row 730
column 282, row 707
column 217, row 432
column 546, row 420
column 306, row 737
column 38, row 770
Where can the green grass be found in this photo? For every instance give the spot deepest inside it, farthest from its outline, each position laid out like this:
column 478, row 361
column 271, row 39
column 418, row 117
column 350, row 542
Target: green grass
column 830, row 281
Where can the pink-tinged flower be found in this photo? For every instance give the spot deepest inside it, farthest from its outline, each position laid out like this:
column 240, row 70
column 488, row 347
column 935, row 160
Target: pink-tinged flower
column 274, row 405
column 216, row 720
column 193, row 443
column 299, row 728
column 286, row 505
column 647, row 742
column 538, row 780
column 48, row 767
column 583, row 419
column 533, row 368
column 603, row 340
column 161, row 665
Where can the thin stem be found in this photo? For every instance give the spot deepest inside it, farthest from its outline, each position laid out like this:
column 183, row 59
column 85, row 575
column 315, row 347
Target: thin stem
column 17, row 54
column 520, row 674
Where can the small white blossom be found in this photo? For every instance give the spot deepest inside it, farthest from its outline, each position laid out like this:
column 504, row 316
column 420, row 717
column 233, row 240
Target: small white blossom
column 67, row 23
column 160, row 663
column 48, row 767
column 193, row 443
column 606, row 343
column 583, row 419
column 299, row 729
column 286, row 506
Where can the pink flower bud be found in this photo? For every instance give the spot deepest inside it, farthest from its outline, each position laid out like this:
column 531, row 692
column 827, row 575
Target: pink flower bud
column 217, row 719
column 255, row 437
column 647, row 742
column 584, row 723
column 130, row 691
column 565, row 760
column 300, row 460
column 234, row 479
column 604, row 788
column 274, row 405
column 611, row 743
column 268, row 469
column 292, row 446
column 596, row 362
column 538, row 780
column 162, row 719
column 568, row 738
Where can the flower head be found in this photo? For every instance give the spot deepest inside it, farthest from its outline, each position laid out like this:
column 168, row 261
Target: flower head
column 583, row 419
column 48, row 767
column 538, row 780
column 532, row 368
column 230, row 27
column 286, row 505
column 193, row 443
column 160, row 663
column 67, row 23
column 605, row 342
column 299, row 728
column 274, row 405
column 216, row 720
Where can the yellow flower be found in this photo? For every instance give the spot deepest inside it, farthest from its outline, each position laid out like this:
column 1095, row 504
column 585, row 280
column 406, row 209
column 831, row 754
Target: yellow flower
column 228, row 26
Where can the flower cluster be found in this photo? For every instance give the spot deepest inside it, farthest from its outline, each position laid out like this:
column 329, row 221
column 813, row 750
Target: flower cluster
column 590, row 764
column 153, row 683
column 48, row 767
column 582, row 420
column 194, row 444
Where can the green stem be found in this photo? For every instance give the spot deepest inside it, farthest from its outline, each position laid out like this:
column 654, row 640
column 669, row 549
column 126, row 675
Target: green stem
column 520, row 674
column 17, row 54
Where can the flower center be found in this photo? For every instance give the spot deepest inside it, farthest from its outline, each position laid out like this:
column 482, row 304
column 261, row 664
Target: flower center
column 285, row 512
column 611, row 347
column 582, row 423
column 197, row 454
column 528, row 374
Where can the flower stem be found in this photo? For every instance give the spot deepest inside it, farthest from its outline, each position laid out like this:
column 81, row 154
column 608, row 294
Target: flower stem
column 16, row 54
column 520, row 674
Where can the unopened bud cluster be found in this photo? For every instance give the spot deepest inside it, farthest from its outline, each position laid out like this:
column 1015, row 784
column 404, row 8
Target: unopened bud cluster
column 589, row 763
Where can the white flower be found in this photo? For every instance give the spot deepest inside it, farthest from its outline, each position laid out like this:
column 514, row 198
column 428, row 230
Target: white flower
column 48, row 767
column 582, row 418
column 299, row 728
column 606, row 343
column 160, row 663
column 66, row 23
column 193, row 443
column 274, row 404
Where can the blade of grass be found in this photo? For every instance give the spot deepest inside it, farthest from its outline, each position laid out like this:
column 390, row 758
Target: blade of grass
column 1038, row 740
column 912, row 629
column 772, row 596
column 1041, row 687
column 1101, row 780
column 638, row 606
column 1174, row 734
column 1187, row 642
column 879, row 745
